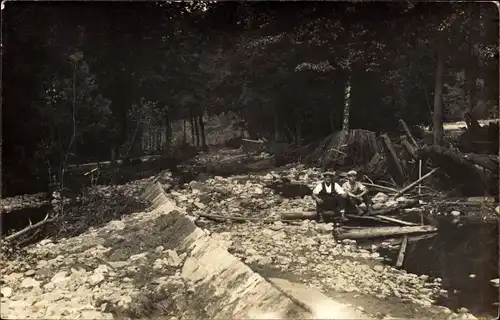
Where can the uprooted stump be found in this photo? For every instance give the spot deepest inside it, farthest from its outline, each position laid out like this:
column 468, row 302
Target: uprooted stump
column 348, row 148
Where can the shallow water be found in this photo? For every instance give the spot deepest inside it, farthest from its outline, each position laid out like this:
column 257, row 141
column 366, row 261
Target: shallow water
column 465, row 256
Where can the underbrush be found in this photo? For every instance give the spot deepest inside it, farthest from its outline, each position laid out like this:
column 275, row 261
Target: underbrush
column 93, row 207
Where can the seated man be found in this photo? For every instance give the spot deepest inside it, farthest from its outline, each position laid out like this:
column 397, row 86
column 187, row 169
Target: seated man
column 329, row 196
column 356, row 192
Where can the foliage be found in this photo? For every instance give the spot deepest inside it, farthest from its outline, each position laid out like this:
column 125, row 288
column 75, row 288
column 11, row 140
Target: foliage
column 279, row 68
column 73, row 111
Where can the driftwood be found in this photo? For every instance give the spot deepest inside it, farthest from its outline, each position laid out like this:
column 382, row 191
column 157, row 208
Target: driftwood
column 408, row 132
column 401, row 222
column 486, row 161
column 219, row 218
column 299, row 215
column 29, row 228
column 413, row 184
column 411, row 238
column 402, row 251
column 379, row 232
column 397, row 171
column 461, row 171
column 312, row 214
column 401, row 205
column 377, row 186
column 408, row 148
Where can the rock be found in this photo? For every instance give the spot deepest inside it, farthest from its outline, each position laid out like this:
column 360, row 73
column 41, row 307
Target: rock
column 59, row 277
column 380, row 198
column 6, row 292
column 324, row 228
column 455, row 213
column 138, row 256
column 30, row 283
column 199, row 205
column 45, row 242
column 95, row 279
column 93, row 314
column 278, row 225
column 116, row 225
column 118, row 264
column 29, row 273
column 463, row 310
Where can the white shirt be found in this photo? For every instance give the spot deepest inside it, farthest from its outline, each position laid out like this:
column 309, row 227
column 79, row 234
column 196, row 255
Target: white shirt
column 328, row 188
column 356, row 187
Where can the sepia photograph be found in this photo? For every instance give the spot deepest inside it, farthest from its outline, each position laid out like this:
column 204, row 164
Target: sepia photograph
column 249, row 160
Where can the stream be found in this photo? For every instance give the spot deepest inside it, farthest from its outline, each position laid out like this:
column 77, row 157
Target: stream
column 463, row 254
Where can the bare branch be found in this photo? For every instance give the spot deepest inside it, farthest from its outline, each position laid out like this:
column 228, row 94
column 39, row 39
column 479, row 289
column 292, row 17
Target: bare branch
column 29, row 228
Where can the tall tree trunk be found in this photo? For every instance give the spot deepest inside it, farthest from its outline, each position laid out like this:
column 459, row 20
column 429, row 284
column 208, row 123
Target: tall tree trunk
column 202, row 132
column 192, row 131
column 276, row 122
column 471, row 68
column 196, row 131
column 184, row 135
column 168, row 129
column 332, row 120
column 438, row 91
column 347, row 101
column 298, row 126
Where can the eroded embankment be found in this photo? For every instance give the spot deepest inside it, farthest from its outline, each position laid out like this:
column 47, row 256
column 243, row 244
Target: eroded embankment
column 155, row 263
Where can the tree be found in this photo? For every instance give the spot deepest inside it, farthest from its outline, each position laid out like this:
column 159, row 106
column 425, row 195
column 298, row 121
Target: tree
column 72, row 108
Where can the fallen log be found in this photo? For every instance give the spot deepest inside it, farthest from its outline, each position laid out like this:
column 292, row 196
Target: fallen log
column 488, row 162
column 397, row 171
column 312, row 215
column 377, row 186
column 411, row 238
column 408, row 132
column 408, row 148
column 402, row 251
column 413, row 184
column 378, row 232
column 29, row 228
column 462, row 173
column 401, row 205
column 219, row 218
column 299, row 215
column 405, row 223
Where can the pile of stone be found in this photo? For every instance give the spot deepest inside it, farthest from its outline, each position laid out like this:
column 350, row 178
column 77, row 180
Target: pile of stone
column 95, row 275
column 23, row 202
column 229, row 156
column 251, row 195
column 309, row 253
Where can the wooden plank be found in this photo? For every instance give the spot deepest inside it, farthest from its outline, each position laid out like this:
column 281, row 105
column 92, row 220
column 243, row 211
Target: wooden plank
column 401, row 254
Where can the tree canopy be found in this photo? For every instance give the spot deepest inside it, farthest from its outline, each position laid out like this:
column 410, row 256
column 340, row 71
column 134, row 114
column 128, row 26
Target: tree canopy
column 78, row 76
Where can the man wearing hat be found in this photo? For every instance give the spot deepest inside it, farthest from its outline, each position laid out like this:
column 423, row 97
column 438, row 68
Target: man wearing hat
column 329, row 196
column 356, row 192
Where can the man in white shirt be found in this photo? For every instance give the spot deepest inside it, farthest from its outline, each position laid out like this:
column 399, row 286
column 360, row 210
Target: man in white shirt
column 356, row 192
column 329, row 196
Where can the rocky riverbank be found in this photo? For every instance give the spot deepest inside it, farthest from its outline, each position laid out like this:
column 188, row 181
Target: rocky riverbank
column 124, row 268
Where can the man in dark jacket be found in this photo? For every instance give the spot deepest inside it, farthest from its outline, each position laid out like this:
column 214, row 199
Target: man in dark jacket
column 329, row 196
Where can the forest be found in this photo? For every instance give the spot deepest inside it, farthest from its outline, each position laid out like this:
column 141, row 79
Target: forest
column 80, row 80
